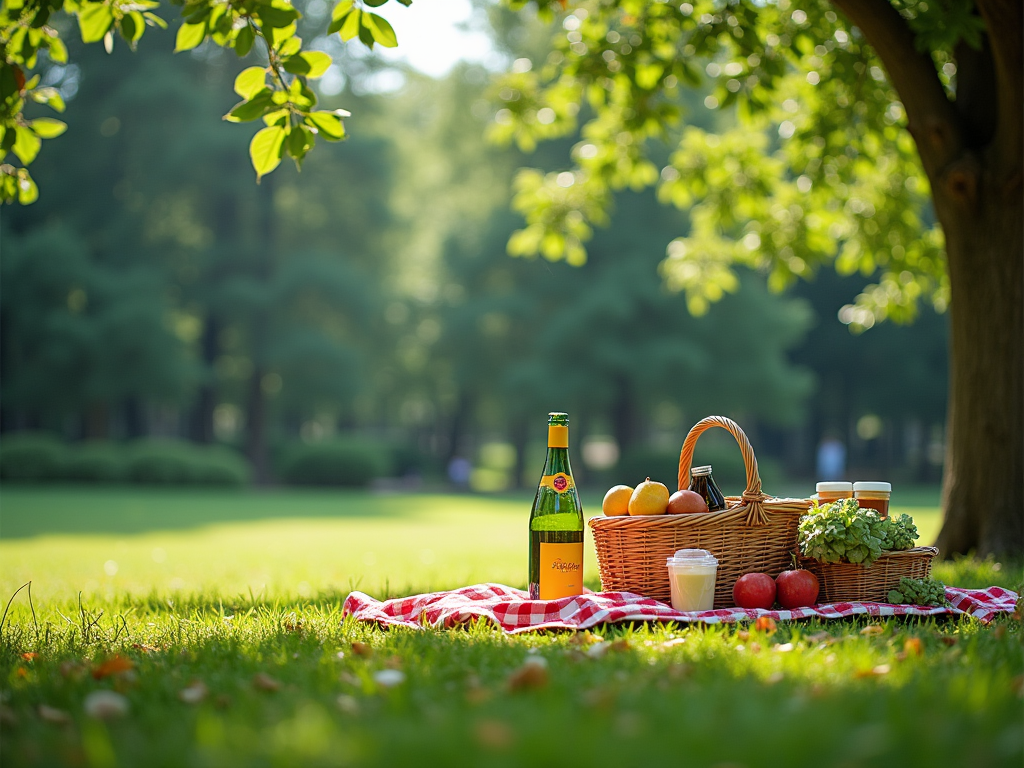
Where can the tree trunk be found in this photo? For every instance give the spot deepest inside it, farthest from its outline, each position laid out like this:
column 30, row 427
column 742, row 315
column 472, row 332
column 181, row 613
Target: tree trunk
column 201, row 427
column 983, row 488
column 256, row 399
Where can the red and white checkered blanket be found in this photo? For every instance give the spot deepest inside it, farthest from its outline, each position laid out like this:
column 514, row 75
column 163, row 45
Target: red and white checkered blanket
column 513, row 611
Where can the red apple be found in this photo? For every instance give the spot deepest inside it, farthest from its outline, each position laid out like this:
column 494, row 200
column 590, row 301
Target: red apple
column 797, row 589
column 686, row 502
column 754, row 590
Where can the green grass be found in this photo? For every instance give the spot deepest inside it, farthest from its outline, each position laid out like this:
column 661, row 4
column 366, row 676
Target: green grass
column 221, row 587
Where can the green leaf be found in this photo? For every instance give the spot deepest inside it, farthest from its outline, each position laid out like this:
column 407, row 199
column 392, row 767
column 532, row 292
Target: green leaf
column 277, row 117
column 189, row 36
column 95, row 20
column 374, row 3
column 291, row 46
column 58, row 51
column 250, row 81
column 341, row 10
column 277, row 15
column 26, row 145
column 252, row 108
column 47, row 127
column 244, row 40
column 48, row 96
column 265, row 150
column 312, row 64
column 155, row 20
column 28, row 192
column 328, row 125
column 351, row 26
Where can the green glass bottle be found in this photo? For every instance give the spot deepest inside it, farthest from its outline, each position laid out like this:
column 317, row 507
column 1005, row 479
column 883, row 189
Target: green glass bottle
column 556, row 522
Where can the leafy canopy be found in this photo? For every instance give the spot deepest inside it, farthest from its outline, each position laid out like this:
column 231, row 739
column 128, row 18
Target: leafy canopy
column 816, row 166
column 278, row 93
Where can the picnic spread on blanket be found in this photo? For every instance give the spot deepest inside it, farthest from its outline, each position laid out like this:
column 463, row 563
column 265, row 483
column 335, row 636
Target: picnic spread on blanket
column 700, row 556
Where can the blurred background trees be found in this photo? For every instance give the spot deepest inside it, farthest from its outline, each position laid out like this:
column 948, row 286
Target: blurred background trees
column 367, row 305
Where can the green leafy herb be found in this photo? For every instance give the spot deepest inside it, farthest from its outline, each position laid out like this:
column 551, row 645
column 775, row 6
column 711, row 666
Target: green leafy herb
column 900, row 532
column 842, row 531
column 918, row 592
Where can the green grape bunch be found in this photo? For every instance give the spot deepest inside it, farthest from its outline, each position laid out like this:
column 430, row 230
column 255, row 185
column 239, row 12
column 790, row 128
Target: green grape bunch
column 918, row 592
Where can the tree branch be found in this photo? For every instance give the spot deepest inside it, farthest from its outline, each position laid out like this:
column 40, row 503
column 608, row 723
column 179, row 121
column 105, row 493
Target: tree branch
column 1004, row 22
column 931, row 118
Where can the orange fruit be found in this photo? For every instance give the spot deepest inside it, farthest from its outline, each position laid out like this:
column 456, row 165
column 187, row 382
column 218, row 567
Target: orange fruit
column 616, row 501
column 649, row 498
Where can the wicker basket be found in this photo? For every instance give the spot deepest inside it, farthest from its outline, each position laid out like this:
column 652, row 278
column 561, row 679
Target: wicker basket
column 854, row 583
column 755, row 533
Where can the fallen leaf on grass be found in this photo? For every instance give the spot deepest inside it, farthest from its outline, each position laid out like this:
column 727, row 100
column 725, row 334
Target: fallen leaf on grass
column 223, row 701
column 105, row 705
column 620, row 645
column 774, row 678
column 782, row 647
column 389, row 678
column 21, row 672
column 291, row 623
column 348, row 704
column 598, row 698
column 585, row 638
column 361, row 649
column 872, row 629
column 999, row 632
column 265, row 682
column 144, row 648
column 597, row 650
column 349, row 679
column 194, row 693
column 494, row 734
column 53, row 715
column 115, row 665
column 30, row 656
column 531, row 675
column 913, row 645
column 765, row 624
column 948, row 640
column 818, row 637
column 673, row 642
column 878, row 671
column 7, row 716
column 1017, row 686
column 393, row 662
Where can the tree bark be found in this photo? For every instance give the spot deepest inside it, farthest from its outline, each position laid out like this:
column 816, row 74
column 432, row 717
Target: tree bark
column 983, row 487
column 974, row 159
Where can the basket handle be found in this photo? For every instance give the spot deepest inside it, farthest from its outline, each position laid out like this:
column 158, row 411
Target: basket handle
column 752, row 496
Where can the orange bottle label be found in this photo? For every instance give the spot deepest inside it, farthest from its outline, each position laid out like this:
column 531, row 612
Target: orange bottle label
column 561, row 570
column 560, row 482
column 558, row 436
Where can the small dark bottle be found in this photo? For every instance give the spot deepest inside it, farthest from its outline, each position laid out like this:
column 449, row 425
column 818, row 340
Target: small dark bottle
column 703, row 483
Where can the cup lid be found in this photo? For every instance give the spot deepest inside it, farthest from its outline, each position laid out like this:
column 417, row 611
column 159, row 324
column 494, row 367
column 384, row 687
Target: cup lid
column 832, row 486
column 887, row 487
column 701, row 471
column 692, row 557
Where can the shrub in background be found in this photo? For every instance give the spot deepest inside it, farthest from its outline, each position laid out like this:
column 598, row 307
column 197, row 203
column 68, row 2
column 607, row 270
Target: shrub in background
column 31, row 457
column 95, row 461
column 347, row 462
column 164, row 462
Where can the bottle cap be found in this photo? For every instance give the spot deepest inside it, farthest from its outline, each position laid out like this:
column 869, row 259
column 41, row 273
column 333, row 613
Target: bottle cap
column 701, row 471
column 691, row 557
column 834, row 487
column 887, row 487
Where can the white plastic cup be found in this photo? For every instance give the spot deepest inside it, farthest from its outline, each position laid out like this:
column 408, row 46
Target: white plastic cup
column 691, row 576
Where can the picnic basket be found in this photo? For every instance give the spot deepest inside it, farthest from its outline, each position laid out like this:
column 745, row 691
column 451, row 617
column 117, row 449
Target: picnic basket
column 755, row 533
column 852, row 582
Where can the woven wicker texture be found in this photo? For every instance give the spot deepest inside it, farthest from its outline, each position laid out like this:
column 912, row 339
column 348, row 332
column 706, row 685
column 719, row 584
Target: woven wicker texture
column 853, row 583
column 756, row 533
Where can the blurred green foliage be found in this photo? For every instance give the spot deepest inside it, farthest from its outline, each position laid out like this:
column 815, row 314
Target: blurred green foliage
column 33, row 457
column 351, row 463
column 153, row 290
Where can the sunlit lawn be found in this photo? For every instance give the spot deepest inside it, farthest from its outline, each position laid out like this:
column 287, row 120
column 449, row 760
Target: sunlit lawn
column 220, row 587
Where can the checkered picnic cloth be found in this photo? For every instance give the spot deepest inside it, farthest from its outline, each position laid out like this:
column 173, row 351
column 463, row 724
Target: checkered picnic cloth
column 514, row 611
